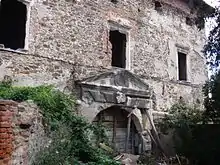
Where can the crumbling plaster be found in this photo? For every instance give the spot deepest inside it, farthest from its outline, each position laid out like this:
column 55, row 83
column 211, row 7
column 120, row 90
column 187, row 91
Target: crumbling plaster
column 68, row 40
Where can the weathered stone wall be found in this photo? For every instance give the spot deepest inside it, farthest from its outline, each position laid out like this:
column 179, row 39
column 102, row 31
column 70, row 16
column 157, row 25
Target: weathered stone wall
column 69, row 41
column 29, row 133
column 21, row 132
column 32, row 70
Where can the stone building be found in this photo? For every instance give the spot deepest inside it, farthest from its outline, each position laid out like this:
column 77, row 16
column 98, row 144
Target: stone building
column 123, row 58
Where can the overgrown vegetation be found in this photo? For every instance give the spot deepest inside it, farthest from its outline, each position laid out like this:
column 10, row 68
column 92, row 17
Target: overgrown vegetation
column 212, row 99
column 182, row 120
column 69, row 133
column 194, row 137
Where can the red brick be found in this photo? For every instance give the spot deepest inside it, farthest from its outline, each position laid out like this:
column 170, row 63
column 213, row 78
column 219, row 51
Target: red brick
column 6, row 146
column 8, row 150
column 4, row 140
column 6, row 113
column 2, row 154
column 2, row 113
column 10, row 137
column 4, row 135
column 2, row 162
column 5, row 118
column 3, row 130
column 6, row 161
column 6, row 130
column 3, row 145
column 7, row 156
column 5, row 124
column 9, row 140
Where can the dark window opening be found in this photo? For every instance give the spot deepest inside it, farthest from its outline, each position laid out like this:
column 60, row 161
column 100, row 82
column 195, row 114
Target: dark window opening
column 114, row 1
column 182, row 66
column 189, row 21
column 13, row 24
column 118, row 41
column 158, row 6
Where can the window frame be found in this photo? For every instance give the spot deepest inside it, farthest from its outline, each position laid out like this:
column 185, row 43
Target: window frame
column 124, row 30
column 28, row 4
column 183, row 50
column 186, row 66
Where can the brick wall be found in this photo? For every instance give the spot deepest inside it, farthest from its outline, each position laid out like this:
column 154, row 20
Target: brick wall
column 21, row 132
column 6, row 131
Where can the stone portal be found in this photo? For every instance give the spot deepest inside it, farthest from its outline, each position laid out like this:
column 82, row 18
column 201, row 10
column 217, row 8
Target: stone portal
column 122, row 99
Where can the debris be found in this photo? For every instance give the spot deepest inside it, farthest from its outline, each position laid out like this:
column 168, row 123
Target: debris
column 127, row 159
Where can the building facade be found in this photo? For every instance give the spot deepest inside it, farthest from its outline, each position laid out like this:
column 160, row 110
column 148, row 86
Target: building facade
column 136, row 57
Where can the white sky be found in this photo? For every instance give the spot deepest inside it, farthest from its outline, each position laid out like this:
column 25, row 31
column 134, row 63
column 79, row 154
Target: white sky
column 212, row 2
column 210, row 23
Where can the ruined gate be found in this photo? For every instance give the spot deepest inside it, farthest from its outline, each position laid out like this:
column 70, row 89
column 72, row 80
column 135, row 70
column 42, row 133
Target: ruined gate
column 119, row 124
column 120, row 100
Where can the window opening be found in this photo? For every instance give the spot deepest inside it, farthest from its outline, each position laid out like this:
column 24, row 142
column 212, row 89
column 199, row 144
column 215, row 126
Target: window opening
column 189, row 21
column 157, row 6
column 13, row 17
column 182, row 66
column 118, row 41
column 114, row 1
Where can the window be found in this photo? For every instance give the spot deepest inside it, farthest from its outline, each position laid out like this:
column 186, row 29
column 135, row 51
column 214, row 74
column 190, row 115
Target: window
column 189, row 21
column 182, row 66
column 114, row 1
column 118, row 41
column 13, row 17
column 158, row 6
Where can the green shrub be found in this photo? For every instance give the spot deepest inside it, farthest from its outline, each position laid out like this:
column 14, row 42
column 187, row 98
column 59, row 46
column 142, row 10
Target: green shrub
column 181, row 121
column 68, row 132
column 193, row 138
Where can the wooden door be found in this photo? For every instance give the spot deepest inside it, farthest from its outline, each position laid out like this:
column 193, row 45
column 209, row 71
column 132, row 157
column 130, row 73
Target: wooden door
column 116, row 122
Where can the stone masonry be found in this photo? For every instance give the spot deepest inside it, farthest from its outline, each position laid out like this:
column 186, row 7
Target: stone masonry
column 68, row 40
column 67, row 44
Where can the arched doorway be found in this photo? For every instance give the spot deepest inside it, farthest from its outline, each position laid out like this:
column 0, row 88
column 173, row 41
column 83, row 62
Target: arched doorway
column 121, row 130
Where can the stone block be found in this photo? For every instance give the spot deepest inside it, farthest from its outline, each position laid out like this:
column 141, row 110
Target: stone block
column 138, row 102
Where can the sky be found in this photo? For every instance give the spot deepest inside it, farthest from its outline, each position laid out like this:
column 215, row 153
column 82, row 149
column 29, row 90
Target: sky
column 212, row 2
column 211, row 22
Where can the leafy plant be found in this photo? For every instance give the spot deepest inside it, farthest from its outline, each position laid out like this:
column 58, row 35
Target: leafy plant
column 212, row 99
column 181, row 120
column 193, row 137
column 181, row 116
column 68, row 132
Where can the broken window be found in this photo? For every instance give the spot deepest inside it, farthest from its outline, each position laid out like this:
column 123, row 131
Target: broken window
column 182, row 66
column 158, row 6
column 118, row 41
column 13, row 16
column 114, row 1
column 189, row 21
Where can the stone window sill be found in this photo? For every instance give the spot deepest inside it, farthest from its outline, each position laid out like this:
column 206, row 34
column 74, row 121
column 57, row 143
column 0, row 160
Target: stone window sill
column 183, row 82
column 20, row 51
